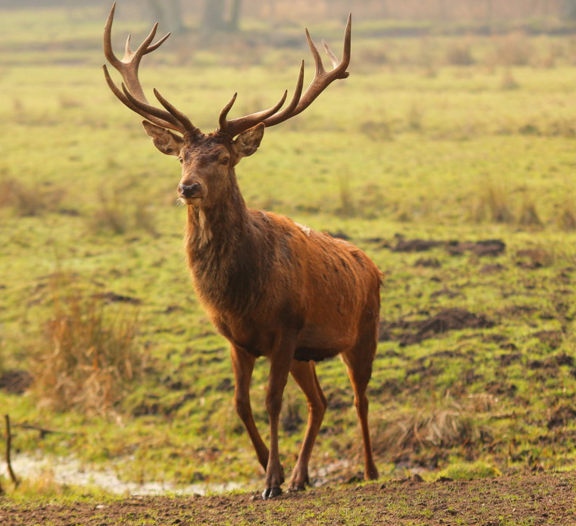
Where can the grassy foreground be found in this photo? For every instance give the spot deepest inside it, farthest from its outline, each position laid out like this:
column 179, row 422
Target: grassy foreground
column 446, row 140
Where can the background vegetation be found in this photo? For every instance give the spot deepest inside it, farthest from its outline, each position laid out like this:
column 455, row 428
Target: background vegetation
column 448, row 156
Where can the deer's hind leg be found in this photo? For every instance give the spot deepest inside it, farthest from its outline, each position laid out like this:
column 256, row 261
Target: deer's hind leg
column 359, row 364
column 305, row 375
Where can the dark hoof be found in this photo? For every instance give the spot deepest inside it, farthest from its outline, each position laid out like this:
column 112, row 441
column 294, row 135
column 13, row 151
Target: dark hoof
column 372, row 474
column 270, row 493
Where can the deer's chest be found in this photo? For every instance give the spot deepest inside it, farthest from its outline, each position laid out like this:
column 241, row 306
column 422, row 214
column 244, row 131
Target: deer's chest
column 244, row 334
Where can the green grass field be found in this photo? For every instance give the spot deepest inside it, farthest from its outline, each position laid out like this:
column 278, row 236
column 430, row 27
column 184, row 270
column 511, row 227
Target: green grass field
column 450, row 139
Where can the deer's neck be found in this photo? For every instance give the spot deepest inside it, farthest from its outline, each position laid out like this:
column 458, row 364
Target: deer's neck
column 214, row 227
column 220, row 245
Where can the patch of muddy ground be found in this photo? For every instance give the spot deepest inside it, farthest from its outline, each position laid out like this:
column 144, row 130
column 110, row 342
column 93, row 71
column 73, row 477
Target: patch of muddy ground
column 412, row 332
column 532, row 499
column 486, row 247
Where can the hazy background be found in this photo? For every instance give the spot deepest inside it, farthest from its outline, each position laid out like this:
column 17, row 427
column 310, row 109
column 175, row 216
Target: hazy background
column 479, row 11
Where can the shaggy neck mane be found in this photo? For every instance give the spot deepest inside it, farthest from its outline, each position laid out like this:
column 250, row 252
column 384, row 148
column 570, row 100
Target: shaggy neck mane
column 215, row 228
column 221, row 248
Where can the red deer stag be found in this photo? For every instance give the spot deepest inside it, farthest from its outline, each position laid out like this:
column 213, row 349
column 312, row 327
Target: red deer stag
column 272, row 287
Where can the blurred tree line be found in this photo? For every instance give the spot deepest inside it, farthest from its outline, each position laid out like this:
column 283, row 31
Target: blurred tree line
column 217, row 15
column 225, row 15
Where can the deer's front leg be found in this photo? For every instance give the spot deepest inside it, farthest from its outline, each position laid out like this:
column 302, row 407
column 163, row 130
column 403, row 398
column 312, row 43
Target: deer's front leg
column 280, row 361
column 243, row 365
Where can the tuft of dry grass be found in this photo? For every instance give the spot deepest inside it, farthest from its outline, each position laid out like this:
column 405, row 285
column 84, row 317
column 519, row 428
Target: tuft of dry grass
column 144, row 218
column 87, row 356
column 546, row 62
column 508, row 82
column 371, row 201
column 28, row 200
column 372, row 56
column 110, row 216
column 528, row 214
column 116, row 217
column 492, row 204
column 415, row 117
column 429, row 72
column 566, row 218
column 17, row 106
column 376, row 131
column 437, row 427
column 459, row 54
column 514, row 49
column 347, row 207
column 67, row 101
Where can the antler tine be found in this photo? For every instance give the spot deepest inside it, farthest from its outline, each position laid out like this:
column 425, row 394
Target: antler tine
column 331, row 55
column 158, row 44
column 180, row 117
column 317, row 58
column 322, row 79
column 286, row 113
column 346, row 53
column 153, row 111
column 108, row 51
column 145, row 47
column 124, row 99
column 129, row 64
column 237, row 126
column 222, row 122
column 132, row 94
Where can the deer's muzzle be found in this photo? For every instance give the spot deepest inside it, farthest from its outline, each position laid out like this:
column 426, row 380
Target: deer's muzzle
column 190, row 191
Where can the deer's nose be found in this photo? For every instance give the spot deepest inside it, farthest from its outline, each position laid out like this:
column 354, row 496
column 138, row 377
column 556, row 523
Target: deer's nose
column 189, row 190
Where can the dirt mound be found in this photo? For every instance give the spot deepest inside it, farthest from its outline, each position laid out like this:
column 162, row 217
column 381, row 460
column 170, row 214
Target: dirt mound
column 482, row 248
column 552, row 362
column 415, row 245
column 487, row 247
column 15, row 382
column 446, row 320
column 510, row 358
column 455, row 319
column 428, row 262
column 492, row 269
column 561, row 416
column 551, row 338
column 112, row 297
column 534, row 258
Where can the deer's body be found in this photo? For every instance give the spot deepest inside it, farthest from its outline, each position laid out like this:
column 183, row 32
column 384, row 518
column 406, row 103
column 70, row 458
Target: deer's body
column 272, row 287
column 260, row 274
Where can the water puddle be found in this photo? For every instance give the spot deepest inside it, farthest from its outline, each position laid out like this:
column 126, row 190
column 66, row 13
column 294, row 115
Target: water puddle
column 69, row 470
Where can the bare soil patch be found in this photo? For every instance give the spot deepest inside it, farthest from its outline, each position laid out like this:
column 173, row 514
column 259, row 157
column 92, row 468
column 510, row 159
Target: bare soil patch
column 528, row 499
column 446, row 320
column 15, row 382
column 485, row 247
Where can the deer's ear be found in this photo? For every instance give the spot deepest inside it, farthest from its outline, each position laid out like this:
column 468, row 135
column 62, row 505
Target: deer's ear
column 167, row 142
column 248, row 142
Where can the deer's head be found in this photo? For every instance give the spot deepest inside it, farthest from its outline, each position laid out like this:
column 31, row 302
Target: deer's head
column 208, row 160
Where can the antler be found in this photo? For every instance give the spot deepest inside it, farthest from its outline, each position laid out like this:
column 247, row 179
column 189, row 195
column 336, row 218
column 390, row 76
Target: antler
column 322, row 79
column 132, row 94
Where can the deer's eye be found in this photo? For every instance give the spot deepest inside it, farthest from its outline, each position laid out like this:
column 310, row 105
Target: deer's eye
column 224, row 161
column 180, row 160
